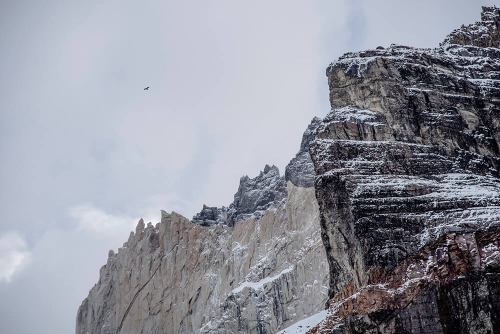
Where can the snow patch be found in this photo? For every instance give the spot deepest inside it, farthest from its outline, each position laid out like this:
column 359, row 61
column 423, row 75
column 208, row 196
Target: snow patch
column 259, row 284
column 306, row 324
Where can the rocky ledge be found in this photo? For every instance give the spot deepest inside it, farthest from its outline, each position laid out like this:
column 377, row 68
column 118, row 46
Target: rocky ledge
column 408, row 185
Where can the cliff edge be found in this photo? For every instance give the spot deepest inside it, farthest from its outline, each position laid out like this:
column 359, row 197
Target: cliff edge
column 408, row 186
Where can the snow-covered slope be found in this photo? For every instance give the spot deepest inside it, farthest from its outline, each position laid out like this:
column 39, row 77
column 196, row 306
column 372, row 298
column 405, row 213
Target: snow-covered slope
column 305, row 324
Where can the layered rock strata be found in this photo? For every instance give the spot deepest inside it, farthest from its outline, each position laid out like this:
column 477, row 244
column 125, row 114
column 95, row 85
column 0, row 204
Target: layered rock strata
column 408, row 185
column 255, row 267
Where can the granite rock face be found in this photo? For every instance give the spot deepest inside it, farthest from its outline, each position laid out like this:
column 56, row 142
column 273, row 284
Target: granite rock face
column 408, row 185
column 179, row 277
column 255, row 267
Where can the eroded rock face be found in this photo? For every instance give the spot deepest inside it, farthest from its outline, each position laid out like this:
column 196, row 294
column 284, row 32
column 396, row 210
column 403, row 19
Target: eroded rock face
column 257, row 266
column 408, row 186
column 267, row 191
column 179, row 277
column 484, row 34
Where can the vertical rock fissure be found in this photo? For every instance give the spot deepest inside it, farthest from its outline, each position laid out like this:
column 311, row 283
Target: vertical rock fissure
column 133, row 300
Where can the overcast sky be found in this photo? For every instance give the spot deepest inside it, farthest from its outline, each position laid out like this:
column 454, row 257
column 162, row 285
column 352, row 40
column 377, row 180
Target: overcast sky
column 85, row 151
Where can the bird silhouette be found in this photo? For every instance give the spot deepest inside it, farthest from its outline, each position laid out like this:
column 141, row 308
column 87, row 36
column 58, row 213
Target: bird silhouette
column 147, row 88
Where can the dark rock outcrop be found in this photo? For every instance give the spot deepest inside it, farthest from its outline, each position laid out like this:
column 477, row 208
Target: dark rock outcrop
column 254, row 196
column 483, row 34
column 209, row 216
column 266, row 191
column 407, row 166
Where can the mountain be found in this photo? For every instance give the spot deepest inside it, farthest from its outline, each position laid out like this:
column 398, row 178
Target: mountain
column 256, row 266
column 389, row 215
column 408, row 186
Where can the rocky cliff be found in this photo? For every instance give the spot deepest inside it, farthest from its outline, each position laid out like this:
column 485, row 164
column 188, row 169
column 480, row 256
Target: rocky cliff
column 408, row 186
column 389, row 214
column 256, row 266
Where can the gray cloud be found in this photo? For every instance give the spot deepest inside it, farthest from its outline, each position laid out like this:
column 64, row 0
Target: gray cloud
column 356, row 25
column 86, row 152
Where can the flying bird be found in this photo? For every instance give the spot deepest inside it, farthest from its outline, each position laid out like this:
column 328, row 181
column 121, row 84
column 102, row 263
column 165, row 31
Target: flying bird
column 147, row 88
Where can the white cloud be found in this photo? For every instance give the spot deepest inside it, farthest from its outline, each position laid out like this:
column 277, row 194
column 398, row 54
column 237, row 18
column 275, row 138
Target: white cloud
column 13, row 255
column 99, row 223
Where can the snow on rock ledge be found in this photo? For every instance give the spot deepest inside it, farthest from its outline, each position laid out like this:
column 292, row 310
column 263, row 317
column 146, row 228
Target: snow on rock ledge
column 407, row 167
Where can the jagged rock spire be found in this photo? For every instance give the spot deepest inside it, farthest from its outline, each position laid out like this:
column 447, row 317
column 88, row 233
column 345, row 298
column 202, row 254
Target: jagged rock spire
column 254, row 196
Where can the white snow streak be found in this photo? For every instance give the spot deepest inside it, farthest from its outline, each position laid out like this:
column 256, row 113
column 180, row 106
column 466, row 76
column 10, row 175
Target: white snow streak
column 259, row 284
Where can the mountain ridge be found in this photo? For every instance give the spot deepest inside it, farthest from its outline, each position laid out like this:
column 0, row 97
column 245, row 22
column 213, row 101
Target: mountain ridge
column 241, row 268
column 389, row 214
